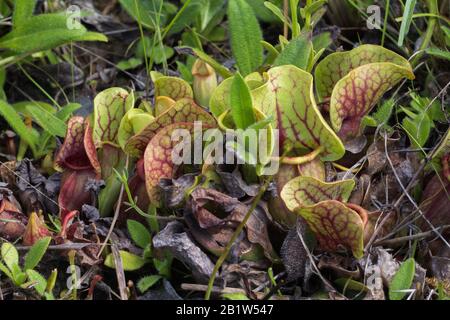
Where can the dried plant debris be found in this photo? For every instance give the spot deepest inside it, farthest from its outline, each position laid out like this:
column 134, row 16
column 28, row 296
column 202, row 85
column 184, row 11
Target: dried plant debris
column 179, row 244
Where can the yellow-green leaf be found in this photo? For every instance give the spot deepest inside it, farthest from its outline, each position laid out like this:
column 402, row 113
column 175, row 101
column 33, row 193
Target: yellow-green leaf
column 402, row 280
column 335, row 223
column 134, row 121
column 337, row 65
column 9, row 255
column 130, row 261
column 306, row 191
column 158, row 158
column 110, row 106
column 172, row 87
column 43, row 32
column 288, row 97
column 357, row 93
column 241, row 103
column 184, row 110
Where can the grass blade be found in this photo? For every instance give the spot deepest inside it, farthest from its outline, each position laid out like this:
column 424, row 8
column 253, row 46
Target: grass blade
column 406, row 21
column 16, row 123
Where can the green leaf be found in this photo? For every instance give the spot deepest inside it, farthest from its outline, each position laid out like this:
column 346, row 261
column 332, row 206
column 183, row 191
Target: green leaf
column 322, row 41
column 277, row 12
column 6, row 271
column 130, row 261
column 384, row 112
column 418, row 128
column 314, row 7
column 402, row 280
column 161, row 54
column 406, row 21
column 220, row 99
column 23, row 9
column 146, row 283
column 439, row 53
column 188, row 16
column 40, row 283
column 185, row 72
column 245, row 35
column 21, row 107
column 163, row 266
column 235, row 296
column 47, row 121
column 19, row 276
column 129, row 64
column 44, row 32
column 262, row 12
column 139, row 233
column 350, row 284
column 157, row 51
column 10, row 256
column 66, row 112
column 132, row 123
column 2, row 83
column 16, row 123
column 36, row 253
column 241, row 103
column 297, row 53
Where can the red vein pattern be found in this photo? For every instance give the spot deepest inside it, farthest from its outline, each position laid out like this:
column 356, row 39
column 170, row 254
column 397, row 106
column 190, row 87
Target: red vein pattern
column 288, row 96
column 172, row 87
column 314, row 168
column 78, row 150
column 337, row 65
column 110, row 106
column 158, row 158
column 306, row 191
column 184, row 110
column 335, row 224
column 356, row 94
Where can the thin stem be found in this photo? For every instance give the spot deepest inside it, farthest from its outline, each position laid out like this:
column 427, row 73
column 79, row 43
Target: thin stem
column 116, row 213
column 426, row 15
column 416, row 236
column 144, row 45
column 295, row 25
column 386, row 15
column 235, row 235
column 177, row 16
column 38, row 86
column 286, row 13
column 432, row 22
column 308, row 16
